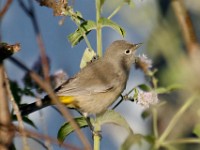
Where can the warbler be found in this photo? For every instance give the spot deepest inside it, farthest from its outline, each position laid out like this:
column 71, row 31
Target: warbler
column 98, row 85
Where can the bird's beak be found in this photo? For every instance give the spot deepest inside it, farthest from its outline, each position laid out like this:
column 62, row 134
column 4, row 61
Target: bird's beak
column 138, row 45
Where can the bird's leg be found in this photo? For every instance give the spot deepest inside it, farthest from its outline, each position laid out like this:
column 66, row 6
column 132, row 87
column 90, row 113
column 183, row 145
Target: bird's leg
column 92, row 129
column 118, row 102
column 123, row 97
column 89, row 124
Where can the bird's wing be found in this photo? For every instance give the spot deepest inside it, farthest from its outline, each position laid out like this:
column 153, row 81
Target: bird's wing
column 86, row 87
column 88, row 81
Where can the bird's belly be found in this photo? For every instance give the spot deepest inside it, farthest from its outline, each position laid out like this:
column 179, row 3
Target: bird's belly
column 97, row 103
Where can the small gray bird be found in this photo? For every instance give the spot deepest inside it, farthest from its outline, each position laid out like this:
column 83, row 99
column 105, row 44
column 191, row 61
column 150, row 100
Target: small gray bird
column 98, row 85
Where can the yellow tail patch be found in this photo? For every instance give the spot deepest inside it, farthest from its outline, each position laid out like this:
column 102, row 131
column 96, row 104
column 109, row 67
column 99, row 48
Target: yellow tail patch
column 67, row 100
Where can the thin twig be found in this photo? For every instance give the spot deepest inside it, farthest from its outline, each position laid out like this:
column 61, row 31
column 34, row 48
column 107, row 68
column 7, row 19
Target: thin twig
column 186, row 25
column 37, row 135
column 17, row 112
column 31, row 14
column 174, row 120
column 45, row 129
column 116, row 10
column 5, row 8
column 55, row 101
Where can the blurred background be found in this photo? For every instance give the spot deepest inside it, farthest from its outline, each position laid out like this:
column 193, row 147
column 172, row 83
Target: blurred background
column 152, row 22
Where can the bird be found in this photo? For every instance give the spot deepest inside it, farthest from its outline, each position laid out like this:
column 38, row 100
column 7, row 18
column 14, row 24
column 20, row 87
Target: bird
column 96, row 86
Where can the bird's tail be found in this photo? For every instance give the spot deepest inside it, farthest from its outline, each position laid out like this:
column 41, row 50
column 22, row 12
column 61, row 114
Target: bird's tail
column 30, row 108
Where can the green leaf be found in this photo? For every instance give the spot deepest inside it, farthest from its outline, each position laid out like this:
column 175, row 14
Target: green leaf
column 26, row 120
column 66, row 128
column 77, row 17
column 146, row 113
column 102, row 2
column 87, row 57
column 130, row 140
column 109, row 23
column 150, row 139
column 196, row 130
column 39, row 142
column 15, row 91
column 84, row 28
column 27, row 91
column 144, row 87
column 29, row 122
column 110, row 116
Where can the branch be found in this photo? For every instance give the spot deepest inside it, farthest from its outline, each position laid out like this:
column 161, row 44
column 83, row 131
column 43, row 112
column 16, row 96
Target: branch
column 17, row 112
column 186, row 25
column 30, row 12
column 6, row 135
column 35, row 135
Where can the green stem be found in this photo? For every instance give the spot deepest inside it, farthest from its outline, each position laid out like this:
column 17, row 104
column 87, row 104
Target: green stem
column 116, row 10
column 87, row 41
column 97, row 140
column 99, row 32
column 97, row 136
column 155, row 118
column 183, row 141
column 174, row 120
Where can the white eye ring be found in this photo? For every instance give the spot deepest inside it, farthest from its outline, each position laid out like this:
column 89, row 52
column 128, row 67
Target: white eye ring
column 127, row 51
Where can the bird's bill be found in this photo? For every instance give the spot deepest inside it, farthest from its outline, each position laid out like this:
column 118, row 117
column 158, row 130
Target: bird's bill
column 138, row 45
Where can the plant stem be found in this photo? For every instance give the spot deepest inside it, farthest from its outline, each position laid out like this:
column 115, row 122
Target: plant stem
column 174, row 120
column 183, row 141
column 87, row 41
column 155, row 118
column 99, row 32
column 97, row 139
column 96, row 135
column 116, row 10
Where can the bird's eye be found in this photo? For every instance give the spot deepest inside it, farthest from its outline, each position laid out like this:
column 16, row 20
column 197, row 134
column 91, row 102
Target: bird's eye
column 127, row 51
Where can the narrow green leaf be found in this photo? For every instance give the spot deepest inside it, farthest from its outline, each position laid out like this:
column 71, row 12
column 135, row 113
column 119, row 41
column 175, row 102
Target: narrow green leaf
column 15, row 91
column 130, row 140
column 66, row 128
column 196, row 130
column 109, row 23
column 39, row 142
column 26, row 120
column 84, row 28
column 29, row 122
column 144, row 87
column 110, row 116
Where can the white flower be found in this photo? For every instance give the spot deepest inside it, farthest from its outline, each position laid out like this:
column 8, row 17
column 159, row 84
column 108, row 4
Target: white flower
column 145, row 60
column 146, row 99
